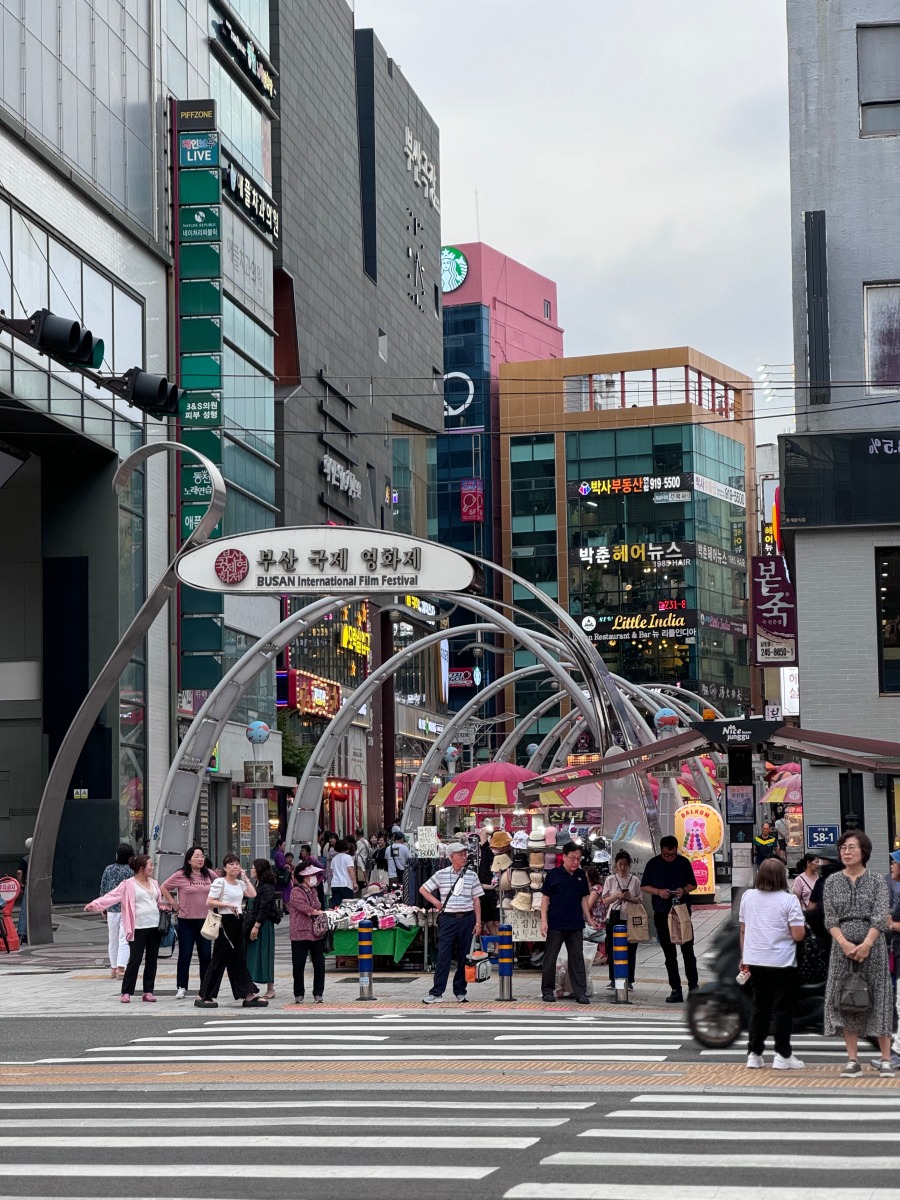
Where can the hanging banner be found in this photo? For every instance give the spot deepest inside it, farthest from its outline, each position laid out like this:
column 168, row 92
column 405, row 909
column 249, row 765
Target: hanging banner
column 774, row 613
column 471, row 500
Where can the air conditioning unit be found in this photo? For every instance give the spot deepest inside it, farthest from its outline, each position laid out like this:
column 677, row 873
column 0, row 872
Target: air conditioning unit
column 259, row 774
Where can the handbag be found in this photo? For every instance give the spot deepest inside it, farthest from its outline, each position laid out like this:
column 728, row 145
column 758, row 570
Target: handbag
column 812, row 966
column 681, row 931
column 212, row 926
column 319, row 926
column 854, row 994
column 594, row 935
column 164, row 924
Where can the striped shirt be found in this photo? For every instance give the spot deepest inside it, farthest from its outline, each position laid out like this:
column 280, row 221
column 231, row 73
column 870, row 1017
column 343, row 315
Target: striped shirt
column 464, row 892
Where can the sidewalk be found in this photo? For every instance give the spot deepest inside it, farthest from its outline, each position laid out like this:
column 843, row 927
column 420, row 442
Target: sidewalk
column 77, row 981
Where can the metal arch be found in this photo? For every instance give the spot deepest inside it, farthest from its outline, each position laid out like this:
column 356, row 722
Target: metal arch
column 508, row 746
column 414, row 808
column 38, row 894
column 537, row 759
column 666, row 689
column 303, row 818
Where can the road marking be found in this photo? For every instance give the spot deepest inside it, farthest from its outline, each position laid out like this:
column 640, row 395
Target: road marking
column 808, row 1053
column 272, row 1140
column 454, row 1058
column 315, row 1051
column 451, row 1170
column 699, row 1162
column 739, row 1135
column 774, row 1115
column 607, row 1191
column 266, row 1122
column 379, row 1104
column 718, row 1099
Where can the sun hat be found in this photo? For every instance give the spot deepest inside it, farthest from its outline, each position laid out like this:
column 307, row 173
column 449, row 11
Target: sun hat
column 521, row 901
column 520, row 859
column 506, row 903
column 536, row 859
column 520, row 840
column 312, row 869
column 537, row 879
column 519, row 878
column 895, row 856
column 536, row 839
column 504, row 883
column 501, row 862
column 550, row 835
column 549, row 860
column 455, row 848
column 500, row 840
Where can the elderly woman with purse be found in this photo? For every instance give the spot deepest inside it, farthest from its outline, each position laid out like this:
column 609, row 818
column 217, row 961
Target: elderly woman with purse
column 858, row 998
column 308, row 928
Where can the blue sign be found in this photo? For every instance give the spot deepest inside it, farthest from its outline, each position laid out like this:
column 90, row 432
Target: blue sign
column 818, row 836
column 198, row 149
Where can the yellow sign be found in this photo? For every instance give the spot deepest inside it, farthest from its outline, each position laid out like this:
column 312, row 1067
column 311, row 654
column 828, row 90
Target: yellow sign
column 670, row 620
column 355, row 639
column 699, row 830
column 705, row 873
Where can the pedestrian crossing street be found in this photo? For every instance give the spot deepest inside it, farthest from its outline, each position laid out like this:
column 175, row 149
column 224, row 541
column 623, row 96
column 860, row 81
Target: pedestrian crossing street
column 550, row 1146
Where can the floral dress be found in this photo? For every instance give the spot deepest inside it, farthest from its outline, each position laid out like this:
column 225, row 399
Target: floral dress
column 856, row 908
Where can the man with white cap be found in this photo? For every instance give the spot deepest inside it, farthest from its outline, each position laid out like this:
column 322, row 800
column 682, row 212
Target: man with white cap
column 22, row 876
column 455, row 892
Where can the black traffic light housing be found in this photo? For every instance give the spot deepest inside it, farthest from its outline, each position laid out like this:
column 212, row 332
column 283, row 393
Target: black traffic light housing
column 65, row 339
column 152, row 394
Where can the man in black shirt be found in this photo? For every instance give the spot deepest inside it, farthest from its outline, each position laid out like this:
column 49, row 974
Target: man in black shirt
column 562, row 921
column 667, row 878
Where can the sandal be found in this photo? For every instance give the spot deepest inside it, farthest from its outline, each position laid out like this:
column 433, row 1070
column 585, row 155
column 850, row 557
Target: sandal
column 199, row 1003
column 256, row 1003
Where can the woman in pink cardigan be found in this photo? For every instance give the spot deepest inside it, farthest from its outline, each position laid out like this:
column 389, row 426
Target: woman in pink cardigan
column 141, row 898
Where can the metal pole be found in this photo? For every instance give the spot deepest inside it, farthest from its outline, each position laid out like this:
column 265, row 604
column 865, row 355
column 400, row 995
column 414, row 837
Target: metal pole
column 620, row 963
column 505, row 962
column 365, row 961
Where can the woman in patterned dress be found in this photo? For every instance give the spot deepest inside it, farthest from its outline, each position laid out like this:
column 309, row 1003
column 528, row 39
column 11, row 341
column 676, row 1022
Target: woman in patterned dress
column 857, row 912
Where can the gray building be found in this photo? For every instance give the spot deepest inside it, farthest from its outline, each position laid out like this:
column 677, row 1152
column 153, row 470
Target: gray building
column 840, row 499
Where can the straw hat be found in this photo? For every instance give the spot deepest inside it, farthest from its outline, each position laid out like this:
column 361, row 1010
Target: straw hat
column 501, row 862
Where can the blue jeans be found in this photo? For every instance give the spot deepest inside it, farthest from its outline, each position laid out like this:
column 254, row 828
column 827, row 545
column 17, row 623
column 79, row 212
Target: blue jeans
column 21, row 927
column 454, row 941
column 189, row 937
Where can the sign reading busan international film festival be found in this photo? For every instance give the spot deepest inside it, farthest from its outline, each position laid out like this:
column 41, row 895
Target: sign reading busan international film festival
column 324, row 560
column 774, row 613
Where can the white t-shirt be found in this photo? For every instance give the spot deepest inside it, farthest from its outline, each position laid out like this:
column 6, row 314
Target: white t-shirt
column 767, row 918
column 342, row 872
column 146, row 910
column 231, row 893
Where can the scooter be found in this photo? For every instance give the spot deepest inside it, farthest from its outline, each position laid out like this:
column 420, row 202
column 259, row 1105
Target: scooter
column 719, row 1011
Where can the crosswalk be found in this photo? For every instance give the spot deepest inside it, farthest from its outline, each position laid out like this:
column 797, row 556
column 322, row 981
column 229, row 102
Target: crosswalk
column 403, row 1037
column 688, row 1144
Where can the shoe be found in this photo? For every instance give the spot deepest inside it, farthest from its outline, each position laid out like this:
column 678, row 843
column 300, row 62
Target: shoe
column 886, row 1068
column 675, row 997
column 148, row 998
column 298, row 999
column 319, row 999
column 755, row 1062
column 462, row 999
column 256, row 1003
column 852, row 1068
column 125, row 998
column 895, row 1061
column 180, row 993
column 788, row 1064
column 610, row 987
column 548, row 998
column 582, row 999
column 429, row 999
column 200, row 1003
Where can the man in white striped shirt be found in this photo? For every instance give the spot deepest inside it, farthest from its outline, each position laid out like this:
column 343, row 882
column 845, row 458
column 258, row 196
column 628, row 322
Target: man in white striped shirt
column 456, row 892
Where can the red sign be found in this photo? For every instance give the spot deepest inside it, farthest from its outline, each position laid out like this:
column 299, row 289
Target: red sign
column 310, row 694
column 774, row 612
column 462, row 677
column 471, row 500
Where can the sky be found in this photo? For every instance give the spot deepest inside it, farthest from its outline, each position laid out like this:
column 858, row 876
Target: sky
column 635, row 151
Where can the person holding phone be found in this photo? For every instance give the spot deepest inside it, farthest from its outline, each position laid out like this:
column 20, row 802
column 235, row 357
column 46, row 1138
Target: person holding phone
column 226, row 896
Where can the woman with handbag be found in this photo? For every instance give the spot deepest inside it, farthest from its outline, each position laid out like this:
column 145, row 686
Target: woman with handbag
column 144, row 920
column 260, row 919
column 308, row 928
column 858, row 997
column 620, row 888
column 192, row 882
column 595, row 914
column 225, row 925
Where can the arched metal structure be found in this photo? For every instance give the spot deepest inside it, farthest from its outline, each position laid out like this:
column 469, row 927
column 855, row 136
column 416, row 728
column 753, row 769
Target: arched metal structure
column 38, row 894
column 507, row 749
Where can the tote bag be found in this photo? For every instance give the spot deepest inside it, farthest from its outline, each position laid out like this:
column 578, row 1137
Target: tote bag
column 681, row 930
column 636, row 919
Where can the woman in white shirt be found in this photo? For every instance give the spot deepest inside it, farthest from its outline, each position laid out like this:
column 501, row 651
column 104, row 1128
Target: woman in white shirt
column 226, row 895
column 771, row 926
column 343, row 875
column 618, row 888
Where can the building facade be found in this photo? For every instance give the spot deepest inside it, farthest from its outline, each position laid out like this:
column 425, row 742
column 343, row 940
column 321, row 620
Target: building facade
column 840, row 508
column 624, row 498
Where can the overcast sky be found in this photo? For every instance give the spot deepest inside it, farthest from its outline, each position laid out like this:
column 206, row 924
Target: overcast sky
column 636, row 151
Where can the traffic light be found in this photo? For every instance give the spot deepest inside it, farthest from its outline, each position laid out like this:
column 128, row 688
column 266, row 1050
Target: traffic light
column 152, row 394
column 65, row 339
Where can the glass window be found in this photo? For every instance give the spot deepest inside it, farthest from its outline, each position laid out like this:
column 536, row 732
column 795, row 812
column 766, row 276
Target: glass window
column 242, row 123
column 887, row 591
column 883, row 337
column 878, row 60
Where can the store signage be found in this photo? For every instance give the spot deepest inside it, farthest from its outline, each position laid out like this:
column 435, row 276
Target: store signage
column 774, row 612
column 455, row 404
column 251, row 200
column 247, row 55
column 200, row 224
column 462, row 677
column 426, row 725
column 471, row 500
column 454, row 269
column 313, row 695
column 721, row 691
column 356, row 640
column 322, row 560
column 198, row 150
column 422, row 168
column 790, row 691
column 720, row 491
column 201, row 409
column 737, row 536
column 338, row 476
column 679, row 626
column 818, row 836
column 676, row 554
column 699, row 830
column 725, row 624
column 671, row 497
column 196, row 485
column 768, row 539
column 723, row 558
column 626, row 484
column 740, row 802
column 671, row 605
column 751, row 731
column 195, row 114
column 424, row 607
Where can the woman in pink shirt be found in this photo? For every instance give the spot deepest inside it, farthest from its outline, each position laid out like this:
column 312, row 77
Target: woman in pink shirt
column 141, row 898
column 193, row 881
column 305, row 941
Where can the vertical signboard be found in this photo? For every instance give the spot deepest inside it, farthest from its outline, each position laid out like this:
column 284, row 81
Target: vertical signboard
column 774, row 613
column 471, row 500
column 197, row 226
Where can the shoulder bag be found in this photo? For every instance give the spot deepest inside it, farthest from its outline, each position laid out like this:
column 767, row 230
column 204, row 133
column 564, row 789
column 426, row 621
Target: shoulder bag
column 212, row 926
column 854, row 995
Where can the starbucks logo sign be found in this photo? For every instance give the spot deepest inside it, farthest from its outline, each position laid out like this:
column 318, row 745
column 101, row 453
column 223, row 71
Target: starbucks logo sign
column 454, row 268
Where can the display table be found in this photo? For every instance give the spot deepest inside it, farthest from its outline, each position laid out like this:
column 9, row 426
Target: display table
column 393, row 942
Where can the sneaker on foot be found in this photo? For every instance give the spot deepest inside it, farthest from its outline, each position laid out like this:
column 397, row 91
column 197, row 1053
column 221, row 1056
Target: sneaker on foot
column 886, row 1068
column 180, row 993
column 610, row 987
column 755, row 1062
column 429, row 999
column 148, row 998
column 462, row 999
column 298, row 999
column 852, row 1068
column 788, row 1064
column 126, row 999
column 582, row 999
column 319, row 999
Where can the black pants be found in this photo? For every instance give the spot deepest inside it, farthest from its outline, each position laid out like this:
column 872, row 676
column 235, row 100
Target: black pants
column 573, row 939
column 189, row 937
column 774, row 995
column 454, row 941
column 145, row 946
column 613, row 920
column 229, row 954
column 339, row 895
column 661, row 921
column 316, row 951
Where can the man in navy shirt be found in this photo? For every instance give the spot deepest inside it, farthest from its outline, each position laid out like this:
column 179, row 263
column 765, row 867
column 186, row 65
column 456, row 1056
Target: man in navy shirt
column 562, row 921
column 669, row 877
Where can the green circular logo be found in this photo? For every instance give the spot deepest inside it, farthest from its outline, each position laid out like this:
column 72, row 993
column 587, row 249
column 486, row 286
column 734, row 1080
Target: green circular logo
column 454, row 268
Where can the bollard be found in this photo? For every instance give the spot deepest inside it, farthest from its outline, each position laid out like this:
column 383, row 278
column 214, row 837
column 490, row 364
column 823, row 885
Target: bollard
column 620, row 963
column 364, row 930
column 505, row 962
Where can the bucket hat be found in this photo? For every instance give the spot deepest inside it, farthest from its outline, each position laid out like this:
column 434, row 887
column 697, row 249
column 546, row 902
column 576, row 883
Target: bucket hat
column 519, row 878
column 500, row 839
column 501, row 862
column 521, row 901
column 535, row 901
column 537, row 879
column 536, row 859
column 550, row 835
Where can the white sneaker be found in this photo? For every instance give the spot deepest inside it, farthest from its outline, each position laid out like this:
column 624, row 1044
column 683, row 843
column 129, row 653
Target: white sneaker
column 429, row 999
column 180, row 993
column 788, row 1064
column 755, row 1061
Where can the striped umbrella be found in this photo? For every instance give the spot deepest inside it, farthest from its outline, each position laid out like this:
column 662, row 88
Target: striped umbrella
column 489, row 785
